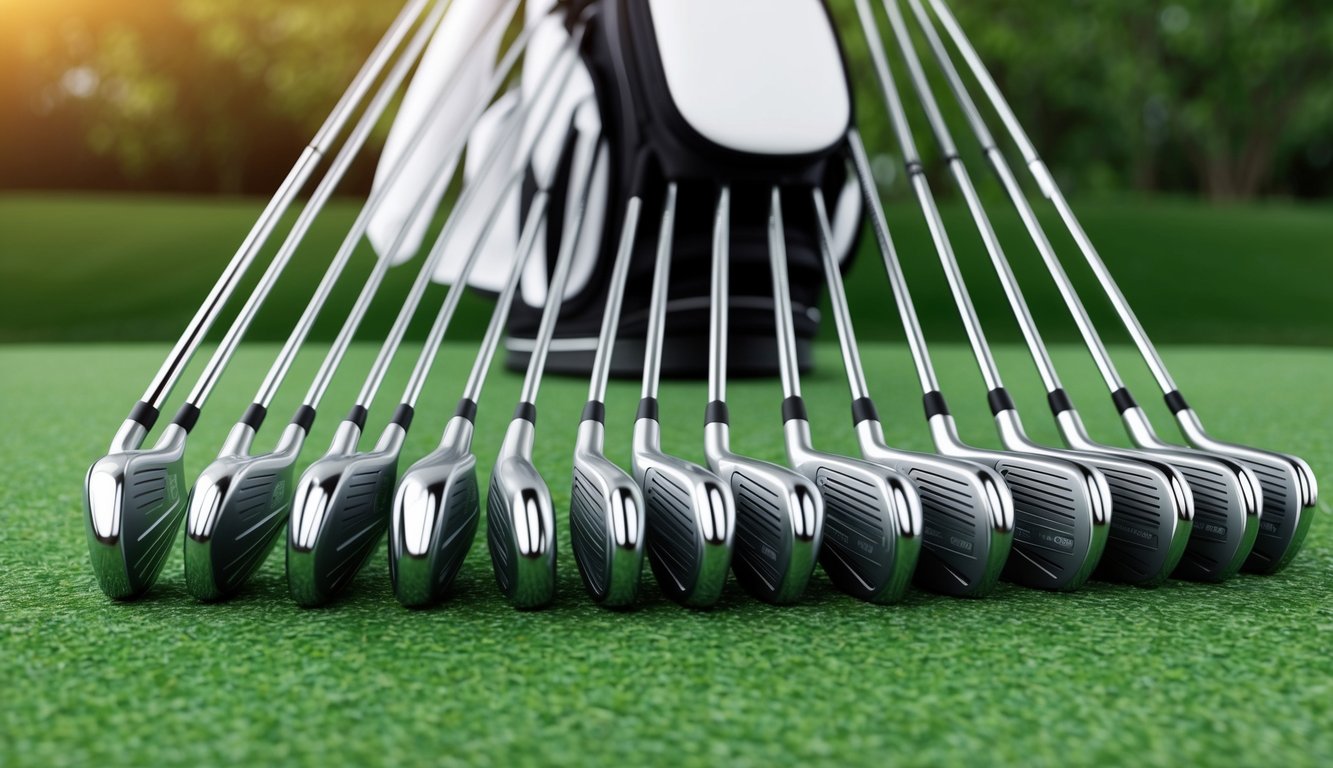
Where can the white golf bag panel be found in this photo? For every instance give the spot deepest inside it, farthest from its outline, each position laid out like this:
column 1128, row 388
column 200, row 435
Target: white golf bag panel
column 445, row 66
column 754, row 76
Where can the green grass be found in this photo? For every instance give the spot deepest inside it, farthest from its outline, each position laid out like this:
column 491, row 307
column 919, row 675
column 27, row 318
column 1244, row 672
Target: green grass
column 1233, row 674
column 135, row 268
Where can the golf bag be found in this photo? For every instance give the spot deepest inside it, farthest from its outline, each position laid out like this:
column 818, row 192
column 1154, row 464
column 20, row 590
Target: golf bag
column 700, row 93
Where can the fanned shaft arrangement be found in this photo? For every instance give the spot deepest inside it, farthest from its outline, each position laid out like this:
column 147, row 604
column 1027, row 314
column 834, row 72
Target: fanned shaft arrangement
column 654, row 189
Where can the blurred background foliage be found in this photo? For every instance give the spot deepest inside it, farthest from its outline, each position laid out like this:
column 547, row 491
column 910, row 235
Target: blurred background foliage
column 1224, row 99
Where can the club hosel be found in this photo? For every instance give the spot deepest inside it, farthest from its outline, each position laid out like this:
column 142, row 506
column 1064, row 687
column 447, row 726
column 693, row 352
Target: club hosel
column 1191, row 427
column 591, row 438
column 1075, row 434
column 1140, row 430
column 239, row 441
column 647, row 438
column 291, row 440
column 345, row 439
column 458, row 434
column 799, row 443
column 1010, row 426
column 944, row 432
column 717, row 439
column 870, row 432
column 129, row 437
column 520, row 438
column 391, row 439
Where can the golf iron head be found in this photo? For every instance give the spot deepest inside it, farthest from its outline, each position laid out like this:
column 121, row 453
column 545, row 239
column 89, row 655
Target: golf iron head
column 435, row 515
column 967, row 516
column 237, row 509
column 341, row 509
column 872, row 519
column 520, row 519
column 607, row 521
column 1153, row 507
column 135, row 501
column 779, row 519
column 1062, row 511
column 690, row 516
column 1289, row 489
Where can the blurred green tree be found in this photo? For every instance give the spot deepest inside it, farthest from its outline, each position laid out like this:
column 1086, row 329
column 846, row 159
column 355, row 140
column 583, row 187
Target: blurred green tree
column 1228, row 98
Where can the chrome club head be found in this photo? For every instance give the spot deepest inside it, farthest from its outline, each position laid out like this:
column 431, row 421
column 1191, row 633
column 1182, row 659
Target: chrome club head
column 435, row 515
column 237, row 509
column 520, row 520
column 607, row 520
column 967, row 516
column 1289, row 489
column 690, row 516
column 1153, row 520
column 779, row 520
column 1062, row 511
column 872, row 519
column 134, row 502
column 1153, row 507
column 1227, row 500
column 340, row 510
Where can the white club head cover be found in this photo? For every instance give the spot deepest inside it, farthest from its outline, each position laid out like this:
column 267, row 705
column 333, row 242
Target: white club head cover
column 444, row 63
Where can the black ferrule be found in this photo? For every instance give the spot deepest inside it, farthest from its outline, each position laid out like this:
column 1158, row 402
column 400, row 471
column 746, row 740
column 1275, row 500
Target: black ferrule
column 1176, row 401
column 595, row 410
column 1123, row 400
column 186, row 417
column 935, row 405
column 915, row 168
column 647, row 409
column 145, row 414
column 1059, row 401
column 793, row 409
column 254, row 416
column 526, row 412
column 863, row 409
column 1000, row 401
column 403, row 416
column 467, row 409
column 357, row 416
column 952, row 157
column 304, row 418
column 716, row 413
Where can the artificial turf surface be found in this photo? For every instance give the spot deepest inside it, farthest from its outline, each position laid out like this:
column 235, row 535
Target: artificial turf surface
column 1232, row 674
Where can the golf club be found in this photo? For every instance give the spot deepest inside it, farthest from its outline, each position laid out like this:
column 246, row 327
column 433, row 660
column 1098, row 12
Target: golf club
column 1290, row 490
column 1227, row 495
column 436, row 508
column 967, row 510
column 520, row 516
column 134, row 498
column 690, row 512
column 872, row 514
column 779, row 513
column 606, row 512
column 341, row 503
column 1153, row 507
column 1062, row 509
column 240, row 502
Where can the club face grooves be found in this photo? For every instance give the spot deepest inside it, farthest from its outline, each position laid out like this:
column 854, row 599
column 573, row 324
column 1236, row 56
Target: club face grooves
column 520, row 533
column 690, row 521
column 134, row 505
column 437, row 508
column 872, row 526
column 967, row 520
column 340, row 512
column 779, row 527
column 238, row 508
column 1060, row 522
column 607, row 525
